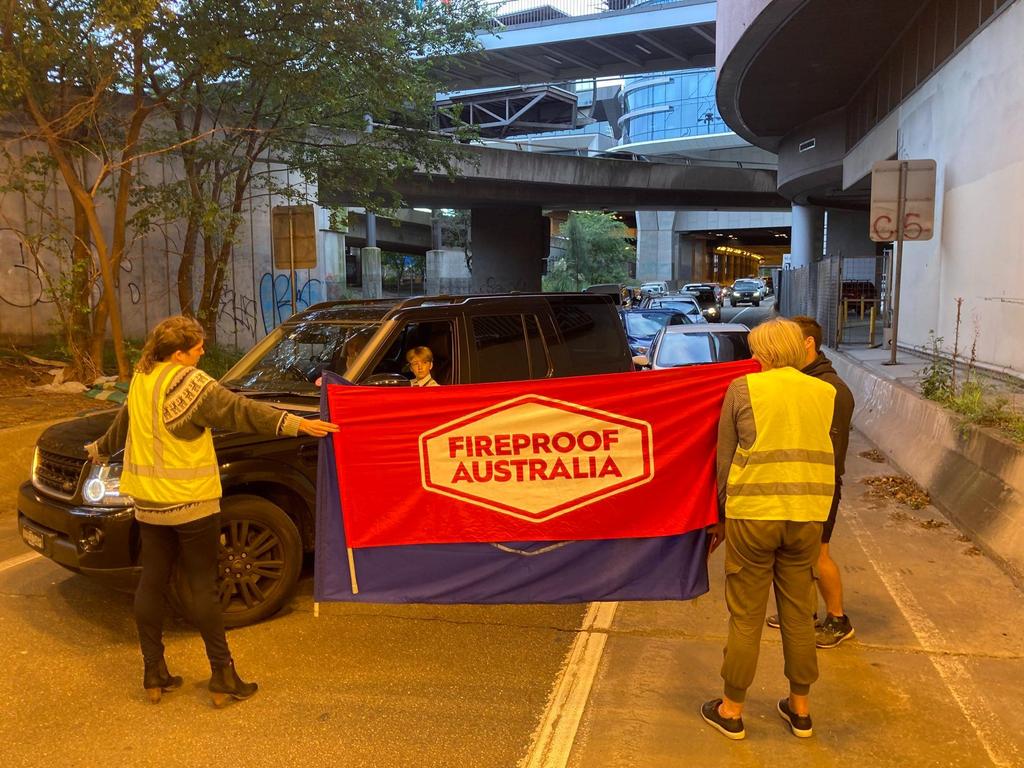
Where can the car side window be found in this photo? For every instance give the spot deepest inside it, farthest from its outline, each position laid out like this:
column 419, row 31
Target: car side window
column 507, row 348
column 589, row 338
column 438, row 335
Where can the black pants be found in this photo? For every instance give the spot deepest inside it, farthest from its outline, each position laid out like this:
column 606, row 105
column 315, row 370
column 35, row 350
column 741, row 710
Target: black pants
column 194, row 546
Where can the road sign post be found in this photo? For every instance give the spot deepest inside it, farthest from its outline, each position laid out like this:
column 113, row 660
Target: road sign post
column 902, row 208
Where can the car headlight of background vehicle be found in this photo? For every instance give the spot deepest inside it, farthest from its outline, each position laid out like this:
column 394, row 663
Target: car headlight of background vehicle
column 103, row 487
column 712, row 310
column 735, row 293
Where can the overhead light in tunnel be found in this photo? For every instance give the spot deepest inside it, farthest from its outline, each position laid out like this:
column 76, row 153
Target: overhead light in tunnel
column 424, row 210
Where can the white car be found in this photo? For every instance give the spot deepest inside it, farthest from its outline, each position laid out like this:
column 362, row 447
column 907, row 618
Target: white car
column 680, row 345
column 684, row 303
column 657, row 288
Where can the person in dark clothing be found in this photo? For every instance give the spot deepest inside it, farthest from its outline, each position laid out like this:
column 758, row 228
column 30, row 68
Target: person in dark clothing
column 836, row 627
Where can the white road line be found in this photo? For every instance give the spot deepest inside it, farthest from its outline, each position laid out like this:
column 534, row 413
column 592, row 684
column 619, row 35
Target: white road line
column 14, row 562
column 554, row 737
column 952, row 670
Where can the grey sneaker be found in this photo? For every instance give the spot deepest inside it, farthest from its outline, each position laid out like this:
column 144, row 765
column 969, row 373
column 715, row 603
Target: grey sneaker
column 730, row 727
column 833, row 631
column 773, row 621
column 800, row 725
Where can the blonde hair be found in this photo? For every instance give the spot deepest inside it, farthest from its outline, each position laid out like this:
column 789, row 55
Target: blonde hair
column 420, row 353
column 175, row 334
column 778, row 343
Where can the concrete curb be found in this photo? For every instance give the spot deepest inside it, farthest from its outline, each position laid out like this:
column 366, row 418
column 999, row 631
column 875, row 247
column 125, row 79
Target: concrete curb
column 976, row 477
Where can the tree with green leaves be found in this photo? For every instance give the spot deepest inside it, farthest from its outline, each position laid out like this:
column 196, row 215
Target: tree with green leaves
column 295, row 84
column 72, row 87
column 219, row 90
column 598, row 250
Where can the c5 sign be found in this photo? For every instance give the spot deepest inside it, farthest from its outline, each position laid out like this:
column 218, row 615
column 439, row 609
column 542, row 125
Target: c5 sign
column 535, row 458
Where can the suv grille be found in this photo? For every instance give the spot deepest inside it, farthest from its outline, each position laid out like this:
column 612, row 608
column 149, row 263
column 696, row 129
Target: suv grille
column 58, row 474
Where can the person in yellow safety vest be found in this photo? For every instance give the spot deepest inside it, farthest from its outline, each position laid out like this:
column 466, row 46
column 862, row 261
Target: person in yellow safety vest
column 171, row 471
column 776, row 478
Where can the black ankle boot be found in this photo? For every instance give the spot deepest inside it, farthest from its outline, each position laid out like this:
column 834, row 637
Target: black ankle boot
column 156, row 679
column 225, row 682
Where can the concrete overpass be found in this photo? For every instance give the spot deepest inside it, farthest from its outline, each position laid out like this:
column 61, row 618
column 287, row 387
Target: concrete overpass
column 547, row 45
column 507, row 192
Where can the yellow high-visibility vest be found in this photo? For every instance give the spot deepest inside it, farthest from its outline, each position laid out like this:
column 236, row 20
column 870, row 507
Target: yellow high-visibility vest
column 158, row 466
column 789, row 471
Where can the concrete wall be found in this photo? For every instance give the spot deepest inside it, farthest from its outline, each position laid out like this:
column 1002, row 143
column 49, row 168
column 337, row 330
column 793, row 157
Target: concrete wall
column 976, row 477
column 968, row 117
column 256, row 297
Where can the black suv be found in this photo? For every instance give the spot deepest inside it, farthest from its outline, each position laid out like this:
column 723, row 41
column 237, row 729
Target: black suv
column 72, row 512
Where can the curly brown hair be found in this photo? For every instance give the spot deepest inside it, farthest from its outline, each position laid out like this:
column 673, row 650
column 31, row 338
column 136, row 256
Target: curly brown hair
column 175, row 334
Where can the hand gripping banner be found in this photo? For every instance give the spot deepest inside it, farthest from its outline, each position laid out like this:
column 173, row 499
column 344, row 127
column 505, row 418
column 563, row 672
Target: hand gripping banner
column 429, row 493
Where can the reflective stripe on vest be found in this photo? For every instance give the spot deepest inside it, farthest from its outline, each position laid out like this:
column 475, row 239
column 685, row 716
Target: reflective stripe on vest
column 158, row 466
column 789, row 471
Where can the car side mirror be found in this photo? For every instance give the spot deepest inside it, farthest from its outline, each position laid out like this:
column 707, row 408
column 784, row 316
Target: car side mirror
column 387, row 380
column 641, row 361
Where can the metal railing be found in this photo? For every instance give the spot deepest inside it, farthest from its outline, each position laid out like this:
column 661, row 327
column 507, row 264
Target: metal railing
column 516, row 13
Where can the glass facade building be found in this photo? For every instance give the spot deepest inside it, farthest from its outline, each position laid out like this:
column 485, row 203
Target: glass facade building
column 670, row 105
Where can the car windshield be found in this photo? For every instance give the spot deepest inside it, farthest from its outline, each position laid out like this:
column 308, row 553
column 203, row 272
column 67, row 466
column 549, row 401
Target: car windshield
column 746, row 285
column 646, row 324
column 295, row 355
column 695, row 348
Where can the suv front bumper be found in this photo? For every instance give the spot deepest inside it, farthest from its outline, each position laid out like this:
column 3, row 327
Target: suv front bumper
column 101, row 542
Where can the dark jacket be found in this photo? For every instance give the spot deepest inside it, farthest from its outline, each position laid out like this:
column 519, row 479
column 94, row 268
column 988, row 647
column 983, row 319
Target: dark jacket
column 822, row 369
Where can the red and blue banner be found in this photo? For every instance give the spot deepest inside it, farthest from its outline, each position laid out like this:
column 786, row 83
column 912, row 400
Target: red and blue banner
column 557, row 490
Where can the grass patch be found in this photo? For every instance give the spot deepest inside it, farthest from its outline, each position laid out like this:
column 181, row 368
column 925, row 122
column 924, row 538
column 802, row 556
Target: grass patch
column 972, row 400
column 217, row 360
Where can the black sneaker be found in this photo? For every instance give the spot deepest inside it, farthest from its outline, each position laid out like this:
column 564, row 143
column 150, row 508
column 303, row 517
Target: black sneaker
column 730, row 727
column 800, row 725
column 833, row 631
column 773, row 621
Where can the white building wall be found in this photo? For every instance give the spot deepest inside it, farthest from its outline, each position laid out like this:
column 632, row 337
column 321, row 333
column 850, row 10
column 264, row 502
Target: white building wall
column 969, row 118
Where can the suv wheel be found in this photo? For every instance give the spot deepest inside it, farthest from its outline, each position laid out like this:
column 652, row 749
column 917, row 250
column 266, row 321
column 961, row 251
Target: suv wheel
column 258, row 565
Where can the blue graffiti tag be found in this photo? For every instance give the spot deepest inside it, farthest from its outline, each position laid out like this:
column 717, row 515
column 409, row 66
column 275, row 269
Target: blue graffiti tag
column 276, row 298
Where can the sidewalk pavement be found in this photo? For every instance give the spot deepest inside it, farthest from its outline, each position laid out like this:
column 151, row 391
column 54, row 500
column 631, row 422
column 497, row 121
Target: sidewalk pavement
column 932, row 677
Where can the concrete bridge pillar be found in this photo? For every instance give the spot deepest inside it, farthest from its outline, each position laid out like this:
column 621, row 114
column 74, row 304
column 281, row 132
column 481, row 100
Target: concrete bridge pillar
column 509, row 248
column 372, row 273
column 446, row 272
column 808, row 235
column 657, row 246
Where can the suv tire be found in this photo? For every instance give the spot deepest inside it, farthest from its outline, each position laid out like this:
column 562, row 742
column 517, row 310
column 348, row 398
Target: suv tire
column 258, row 566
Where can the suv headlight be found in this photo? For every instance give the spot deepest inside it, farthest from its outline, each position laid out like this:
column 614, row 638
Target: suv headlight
column 102, row 487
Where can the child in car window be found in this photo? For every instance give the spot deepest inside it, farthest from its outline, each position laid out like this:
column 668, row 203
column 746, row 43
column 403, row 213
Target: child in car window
column 421, row 362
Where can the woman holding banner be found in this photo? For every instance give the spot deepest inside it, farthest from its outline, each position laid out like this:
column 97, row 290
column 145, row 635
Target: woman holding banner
column 171, row 471
column 775, row 479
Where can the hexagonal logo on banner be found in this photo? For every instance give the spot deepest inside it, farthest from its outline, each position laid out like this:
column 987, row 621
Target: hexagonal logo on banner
column 536, row 458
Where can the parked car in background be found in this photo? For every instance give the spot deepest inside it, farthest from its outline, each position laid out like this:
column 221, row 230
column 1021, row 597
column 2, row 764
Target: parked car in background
column 642, row 325
column 746, row 291
column 705, row 296
column 679, row 302
column 769, row 285
column 682, row 345
column 654, row 288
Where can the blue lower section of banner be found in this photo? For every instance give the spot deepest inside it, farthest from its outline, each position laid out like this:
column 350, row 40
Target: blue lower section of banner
column 662, row 568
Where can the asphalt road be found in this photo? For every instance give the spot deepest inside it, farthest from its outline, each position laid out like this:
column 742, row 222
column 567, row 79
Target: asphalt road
column 932, row 678
column 749, row 315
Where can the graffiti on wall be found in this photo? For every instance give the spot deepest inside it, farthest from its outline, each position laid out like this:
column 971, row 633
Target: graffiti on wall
column 276, row 297
column 239, row 310
column 23, row 287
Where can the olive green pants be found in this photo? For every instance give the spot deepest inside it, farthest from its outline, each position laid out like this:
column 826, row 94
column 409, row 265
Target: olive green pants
column 758, row 554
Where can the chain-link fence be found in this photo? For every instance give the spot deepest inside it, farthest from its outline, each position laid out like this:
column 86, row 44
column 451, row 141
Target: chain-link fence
column 846, row 295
